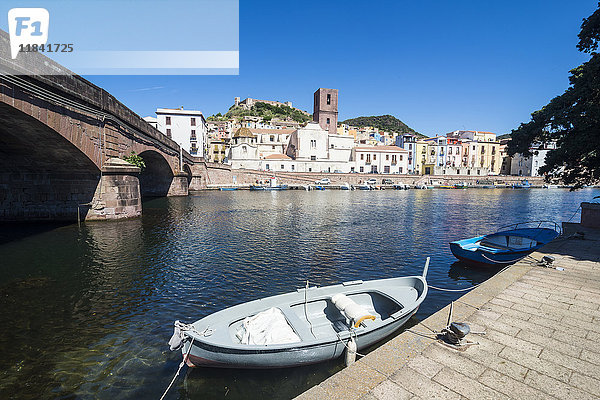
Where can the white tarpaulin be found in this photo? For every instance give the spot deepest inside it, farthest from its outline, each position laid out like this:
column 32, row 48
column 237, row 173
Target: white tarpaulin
column 267, row 327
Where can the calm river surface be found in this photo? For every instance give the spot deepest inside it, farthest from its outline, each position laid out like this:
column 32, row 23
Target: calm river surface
column 86, row 312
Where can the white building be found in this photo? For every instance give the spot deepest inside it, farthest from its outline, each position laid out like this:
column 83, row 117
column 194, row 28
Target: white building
column 314, row 149
column 186, row 127
column 271, row 141
column 530, row 165
column 150, row 120
column 381, row 159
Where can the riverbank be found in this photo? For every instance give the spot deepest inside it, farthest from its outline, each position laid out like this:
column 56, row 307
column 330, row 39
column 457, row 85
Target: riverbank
column 541, row 338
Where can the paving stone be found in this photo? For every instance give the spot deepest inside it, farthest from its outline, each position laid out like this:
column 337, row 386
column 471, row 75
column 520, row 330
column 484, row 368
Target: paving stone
column 535, row 363
column 501, row 302
column 495, row 362
column 518, row 344
column 451, row 359
column 509, row 386
column 498, row 325
column 390, row 391
column 545, row 341
column 572, row 363
column 556, row 388
column 591, row 356
column 422, row 386
column 467, row 387
column 425, row 365
column 586, row 383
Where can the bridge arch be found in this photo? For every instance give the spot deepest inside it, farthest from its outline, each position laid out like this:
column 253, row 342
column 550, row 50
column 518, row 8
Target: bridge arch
column 156, row 177
column 43, row 175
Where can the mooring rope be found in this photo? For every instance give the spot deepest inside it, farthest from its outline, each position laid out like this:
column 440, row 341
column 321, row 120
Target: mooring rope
column 178, row 369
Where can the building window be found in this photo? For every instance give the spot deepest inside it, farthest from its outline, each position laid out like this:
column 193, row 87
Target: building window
column 400, row 157
column 273, row 147
column 272, row 138
column 282, row 166
column 386, row 169
column 313, row 144
column 193, row 121
column 332, row 146
column 168, row 133
column 449, row 150
column 309, row 169
column 351, row 169
column 362, row 169
column 394, row 158
column 374, row 157
column 313, row 158
column 374, row 169
column 292, row 167
column 168, row 121
column 328, row 102
column 267, row 167
column 328, row 121
column 193, row 135
column 362, row 156
column 387, row 157
column 410, row 146
column 368, row 159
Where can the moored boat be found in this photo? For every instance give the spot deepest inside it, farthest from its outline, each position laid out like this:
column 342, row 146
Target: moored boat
column 307, row 326
column 507, row 246
column 524, row 184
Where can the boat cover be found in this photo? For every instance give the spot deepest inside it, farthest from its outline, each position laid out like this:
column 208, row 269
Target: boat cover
column 351, row 309
column 267, row 327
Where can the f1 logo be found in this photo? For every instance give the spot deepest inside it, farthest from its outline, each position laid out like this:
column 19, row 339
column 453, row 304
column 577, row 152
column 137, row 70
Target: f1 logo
column 27, row 26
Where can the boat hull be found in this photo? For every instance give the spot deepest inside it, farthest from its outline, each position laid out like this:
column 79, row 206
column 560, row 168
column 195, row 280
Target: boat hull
column 206, row 355
column 502, row 248
column 482, row 259
column 322, row 329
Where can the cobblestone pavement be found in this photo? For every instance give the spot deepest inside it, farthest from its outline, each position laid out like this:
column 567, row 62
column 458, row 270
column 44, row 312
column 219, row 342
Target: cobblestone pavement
column 542, row 331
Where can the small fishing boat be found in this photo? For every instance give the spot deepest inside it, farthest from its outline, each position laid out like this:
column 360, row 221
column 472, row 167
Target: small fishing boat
column 507, row 246
column 523, row 185
column 345, row 186
column 272, row 186
column 228, row 188
column 365, row 187
column 307, row 326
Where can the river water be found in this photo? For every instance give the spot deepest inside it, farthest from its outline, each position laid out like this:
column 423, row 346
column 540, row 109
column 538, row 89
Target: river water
column 85, row 312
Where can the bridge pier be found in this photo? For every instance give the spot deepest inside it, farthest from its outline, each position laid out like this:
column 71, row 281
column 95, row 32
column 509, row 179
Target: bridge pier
column 179, row 185
column 118, row 193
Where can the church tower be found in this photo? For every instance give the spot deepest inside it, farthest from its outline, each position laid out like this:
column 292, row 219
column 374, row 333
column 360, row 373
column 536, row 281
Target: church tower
column 325, row 110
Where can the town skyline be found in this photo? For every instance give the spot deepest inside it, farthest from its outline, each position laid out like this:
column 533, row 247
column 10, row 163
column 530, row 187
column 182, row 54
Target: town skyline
column 425, row 67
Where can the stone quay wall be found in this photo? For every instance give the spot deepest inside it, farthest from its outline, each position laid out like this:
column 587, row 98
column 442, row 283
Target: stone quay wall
column 209, row 175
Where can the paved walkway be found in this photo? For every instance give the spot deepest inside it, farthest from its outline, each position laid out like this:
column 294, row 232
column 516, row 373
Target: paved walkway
column 542, row 341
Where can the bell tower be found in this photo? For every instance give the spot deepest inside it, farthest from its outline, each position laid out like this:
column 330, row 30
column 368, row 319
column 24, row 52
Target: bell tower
column 325, row 110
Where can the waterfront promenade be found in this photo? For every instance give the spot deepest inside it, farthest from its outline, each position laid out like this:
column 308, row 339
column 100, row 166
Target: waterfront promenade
column 542, row 330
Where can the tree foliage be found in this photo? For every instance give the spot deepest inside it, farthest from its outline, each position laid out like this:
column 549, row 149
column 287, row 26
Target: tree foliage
column 266, row 111
column 387, row 123
column 136, row 160
column 571, row 119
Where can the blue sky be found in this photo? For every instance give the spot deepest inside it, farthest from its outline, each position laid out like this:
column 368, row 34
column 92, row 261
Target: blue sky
column 436, row 65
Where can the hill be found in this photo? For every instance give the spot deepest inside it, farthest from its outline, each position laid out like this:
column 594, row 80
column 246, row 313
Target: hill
column 266, row 111
column 387, row 123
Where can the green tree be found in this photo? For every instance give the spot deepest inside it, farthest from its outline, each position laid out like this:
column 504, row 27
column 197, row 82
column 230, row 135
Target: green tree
column 571, row 119
column 136, row 160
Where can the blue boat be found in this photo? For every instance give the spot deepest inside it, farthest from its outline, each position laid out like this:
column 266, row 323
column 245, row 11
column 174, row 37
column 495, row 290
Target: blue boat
column 507, row 246
column 523, row 185
column 228, row 188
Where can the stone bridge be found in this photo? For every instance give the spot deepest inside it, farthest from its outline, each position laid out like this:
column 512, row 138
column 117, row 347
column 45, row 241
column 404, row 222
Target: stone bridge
column 62, row 140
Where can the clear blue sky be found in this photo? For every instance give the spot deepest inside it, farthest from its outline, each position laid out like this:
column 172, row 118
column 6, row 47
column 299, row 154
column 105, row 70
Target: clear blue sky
column 436, row 65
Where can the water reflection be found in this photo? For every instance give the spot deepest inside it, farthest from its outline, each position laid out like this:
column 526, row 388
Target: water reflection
column 86, row 311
